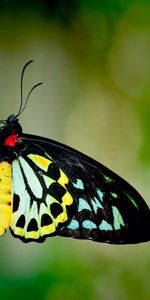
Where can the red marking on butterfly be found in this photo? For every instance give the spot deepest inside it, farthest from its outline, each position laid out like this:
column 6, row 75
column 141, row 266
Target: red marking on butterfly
column 12, row 140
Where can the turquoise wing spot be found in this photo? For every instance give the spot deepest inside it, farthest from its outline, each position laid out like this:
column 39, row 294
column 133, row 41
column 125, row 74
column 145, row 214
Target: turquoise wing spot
column 83, row 205
column 79, row 184
column 105, row 226
column 100, row 194
column 107, row 179
column 132, row 200
column 87, row 224
column 118, row 220
column 114, row 195
column 96, row 204
column 74, row 224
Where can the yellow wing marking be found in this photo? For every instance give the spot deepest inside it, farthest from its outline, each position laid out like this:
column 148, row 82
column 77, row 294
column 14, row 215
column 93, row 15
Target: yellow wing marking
column 67, row 198
column 40, row 161
column 63, row 179
column 32, row 235
column 47, row 229
column 19, row 231
column 5, row 196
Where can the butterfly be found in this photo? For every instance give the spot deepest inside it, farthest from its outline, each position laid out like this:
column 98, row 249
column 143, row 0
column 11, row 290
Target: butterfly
column 49, row 189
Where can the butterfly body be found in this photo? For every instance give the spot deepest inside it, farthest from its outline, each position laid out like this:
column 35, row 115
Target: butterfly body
column 5, row 196
column 52, row 189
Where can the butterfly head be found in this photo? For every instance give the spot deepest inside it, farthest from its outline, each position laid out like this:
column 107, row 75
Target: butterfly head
column 10, row 131
column 11, row 119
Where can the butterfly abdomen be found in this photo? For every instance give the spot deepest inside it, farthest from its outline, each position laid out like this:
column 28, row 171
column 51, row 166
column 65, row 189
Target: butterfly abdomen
column 5, row 196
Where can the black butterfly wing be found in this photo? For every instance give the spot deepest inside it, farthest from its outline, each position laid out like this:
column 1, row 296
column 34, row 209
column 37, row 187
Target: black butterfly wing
column 89, row 201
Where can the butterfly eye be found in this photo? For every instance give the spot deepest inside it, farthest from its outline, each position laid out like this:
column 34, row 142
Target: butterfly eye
column 10, row 119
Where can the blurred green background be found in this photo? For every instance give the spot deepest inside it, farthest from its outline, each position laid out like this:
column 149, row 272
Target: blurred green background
column 93, row 58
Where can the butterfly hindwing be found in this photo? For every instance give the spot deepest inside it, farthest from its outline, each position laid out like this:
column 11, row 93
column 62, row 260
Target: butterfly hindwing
column 41, row 196
column 61, row 191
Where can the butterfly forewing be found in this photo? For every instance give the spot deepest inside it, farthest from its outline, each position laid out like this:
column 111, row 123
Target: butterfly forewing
column 61, row 191
column 109, row 210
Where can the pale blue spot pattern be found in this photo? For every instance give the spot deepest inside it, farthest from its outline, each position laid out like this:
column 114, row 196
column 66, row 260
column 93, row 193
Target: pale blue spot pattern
column 96, row 204
column 79, row 184
column 114, row 195
column 87, row 224
column 118, row 220
column 107, row 179
column 83, row 205
column 100, row 194
column 105, row 226
column 74, row 224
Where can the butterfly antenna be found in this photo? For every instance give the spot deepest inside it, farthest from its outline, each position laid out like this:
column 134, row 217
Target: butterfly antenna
column 33, row 88
column 21, row 108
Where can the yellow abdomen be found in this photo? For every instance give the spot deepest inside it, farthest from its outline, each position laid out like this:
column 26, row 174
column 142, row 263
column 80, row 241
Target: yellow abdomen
column 5, row 196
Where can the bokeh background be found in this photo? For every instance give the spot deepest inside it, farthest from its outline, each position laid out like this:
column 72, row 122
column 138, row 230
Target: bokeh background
column 93, row 58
